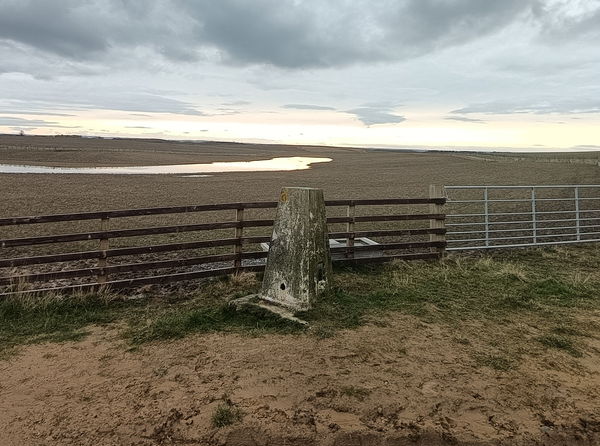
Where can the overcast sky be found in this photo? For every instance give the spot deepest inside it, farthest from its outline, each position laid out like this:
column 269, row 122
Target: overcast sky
column 448, row 73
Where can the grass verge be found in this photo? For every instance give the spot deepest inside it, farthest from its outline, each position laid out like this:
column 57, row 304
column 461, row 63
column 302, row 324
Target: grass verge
column 52, row 317
column 550, row 283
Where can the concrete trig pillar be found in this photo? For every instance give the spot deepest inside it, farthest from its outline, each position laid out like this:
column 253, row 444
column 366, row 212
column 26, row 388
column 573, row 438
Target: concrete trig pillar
column 298, row 267
column 299, row 264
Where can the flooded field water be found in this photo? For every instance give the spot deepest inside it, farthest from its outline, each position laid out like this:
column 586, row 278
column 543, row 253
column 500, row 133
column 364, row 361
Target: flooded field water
column 268, row 165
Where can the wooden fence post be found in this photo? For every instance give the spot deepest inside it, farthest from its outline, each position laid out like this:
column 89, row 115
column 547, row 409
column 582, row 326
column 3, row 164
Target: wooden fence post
column 102, row 259
column 239, row 231
column 350, row 228
column 436, row 191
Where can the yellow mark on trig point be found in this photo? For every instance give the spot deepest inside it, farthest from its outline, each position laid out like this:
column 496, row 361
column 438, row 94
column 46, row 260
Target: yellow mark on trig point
column 283, row 196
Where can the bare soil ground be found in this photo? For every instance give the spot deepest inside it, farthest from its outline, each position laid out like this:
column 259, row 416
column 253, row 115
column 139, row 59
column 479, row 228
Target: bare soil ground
column 398, row 382
column 353, row 173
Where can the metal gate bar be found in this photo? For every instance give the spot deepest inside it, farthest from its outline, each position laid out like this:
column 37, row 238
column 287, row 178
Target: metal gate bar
column 483, row 217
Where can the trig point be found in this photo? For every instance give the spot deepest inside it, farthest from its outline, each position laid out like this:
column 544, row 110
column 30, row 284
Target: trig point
column 298, row 267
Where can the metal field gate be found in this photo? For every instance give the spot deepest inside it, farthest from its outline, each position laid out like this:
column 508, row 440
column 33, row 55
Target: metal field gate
column 483, row 217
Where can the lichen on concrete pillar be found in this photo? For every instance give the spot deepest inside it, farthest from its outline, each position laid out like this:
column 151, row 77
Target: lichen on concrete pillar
column 298, row 267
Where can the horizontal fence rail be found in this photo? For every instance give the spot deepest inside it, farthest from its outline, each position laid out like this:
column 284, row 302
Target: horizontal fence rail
column 47, row 267
column 484, row 217
column 134, row 213
column 75, row 258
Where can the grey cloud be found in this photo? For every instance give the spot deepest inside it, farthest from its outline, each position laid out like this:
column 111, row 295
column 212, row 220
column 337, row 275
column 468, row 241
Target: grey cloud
column 464, row 119
column 32, row 112
column 321, row 34
column 373, row 116
column 380, row 104
column 428, row 24
column 109, row 32
column 283, row 33
column 547, row 106
column 148, row 103
column 531, row 66
column 122, row 101
column 17, row 57
column 235, row 103
column 64, row 28
column 83, row 29
column 20, row 122
column 561, row 21
column 307, row 107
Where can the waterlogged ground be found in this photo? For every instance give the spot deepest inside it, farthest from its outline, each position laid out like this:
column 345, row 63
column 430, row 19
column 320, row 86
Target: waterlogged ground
column 269, row 165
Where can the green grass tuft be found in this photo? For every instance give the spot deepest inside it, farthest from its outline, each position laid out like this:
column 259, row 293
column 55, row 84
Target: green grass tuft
column 560, row 343
column 569, row 331
column 226, row 415
column 495, row 362
column 359, row 393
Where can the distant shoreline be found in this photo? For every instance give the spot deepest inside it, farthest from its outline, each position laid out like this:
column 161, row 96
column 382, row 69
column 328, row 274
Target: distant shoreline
column 402, row 149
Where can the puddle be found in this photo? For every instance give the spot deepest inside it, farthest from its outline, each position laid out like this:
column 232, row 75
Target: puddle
column 195, row 176
column 273, row 164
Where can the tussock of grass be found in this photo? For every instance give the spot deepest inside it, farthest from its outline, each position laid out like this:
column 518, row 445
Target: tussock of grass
column 359, row 393
column 496, row 362
column 511, row 271
column 579, row 278
column 225, row 415
column 561, row 343
column 569, row 331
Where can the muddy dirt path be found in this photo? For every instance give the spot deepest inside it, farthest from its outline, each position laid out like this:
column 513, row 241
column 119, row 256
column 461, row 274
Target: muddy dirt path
column 403, row 382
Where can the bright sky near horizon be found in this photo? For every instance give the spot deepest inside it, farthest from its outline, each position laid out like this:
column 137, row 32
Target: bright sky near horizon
column 510, row 74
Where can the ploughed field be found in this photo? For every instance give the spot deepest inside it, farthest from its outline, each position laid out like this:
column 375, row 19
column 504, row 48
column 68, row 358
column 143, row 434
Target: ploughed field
column 353, row 173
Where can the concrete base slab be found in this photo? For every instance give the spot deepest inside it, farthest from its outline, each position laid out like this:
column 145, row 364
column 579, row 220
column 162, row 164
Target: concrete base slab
column 254, row 303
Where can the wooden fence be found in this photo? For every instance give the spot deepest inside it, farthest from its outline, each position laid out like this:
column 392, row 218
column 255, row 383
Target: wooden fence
column 19, row 274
